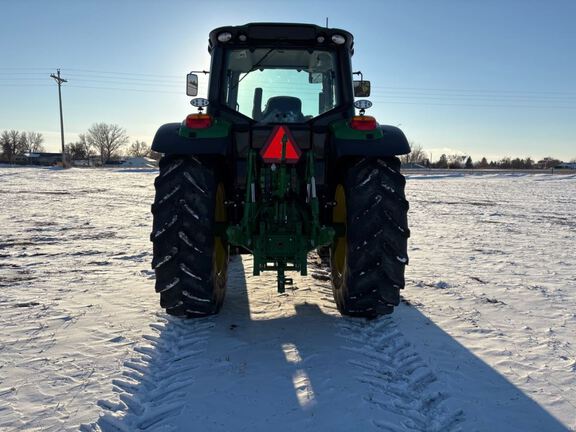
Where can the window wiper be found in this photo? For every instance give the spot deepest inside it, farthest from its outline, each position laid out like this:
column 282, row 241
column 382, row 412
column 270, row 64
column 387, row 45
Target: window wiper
column 253, row 68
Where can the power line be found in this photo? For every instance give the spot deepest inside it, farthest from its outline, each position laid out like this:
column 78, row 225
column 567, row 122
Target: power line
column 127, row 89
column 18, row 70
column 26, row 68
column 25, row 85
column 463, row 98
column 121, row 81
column 393, row 102
column 23, row 73
column 122, row 73
column 140, row 82
column 449, row 90
column 457, row 92
column 392, row 88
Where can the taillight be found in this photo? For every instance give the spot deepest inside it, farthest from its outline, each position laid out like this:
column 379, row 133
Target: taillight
column 363, row 123
column 272, row 150
column 198, row 121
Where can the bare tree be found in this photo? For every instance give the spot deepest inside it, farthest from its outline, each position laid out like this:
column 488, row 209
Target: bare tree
column 11, row 142
column 74, row 151
column 456, row 161
column 416, row 155
column 22, row 142
column 106, row 139
column 33, row 142
column 83, row 141
column 79, row 150
column 5, row 145
column 139, row 149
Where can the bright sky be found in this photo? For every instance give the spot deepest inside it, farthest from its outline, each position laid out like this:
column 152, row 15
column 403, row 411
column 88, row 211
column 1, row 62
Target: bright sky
column 487, row 78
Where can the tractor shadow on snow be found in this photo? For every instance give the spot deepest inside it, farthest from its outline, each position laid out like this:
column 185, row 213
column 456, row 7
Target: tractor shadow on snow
column 244, row 371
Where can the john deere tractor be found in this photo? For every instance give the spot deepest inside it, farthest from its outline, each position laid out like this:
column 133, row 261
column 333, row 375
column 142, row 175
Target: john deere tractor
column 276, row 163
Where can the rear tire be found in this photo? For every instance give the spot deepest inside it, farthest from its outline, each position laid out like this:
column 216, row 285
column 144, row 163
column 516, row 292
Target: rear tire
column 369, row 257
column 190, row 254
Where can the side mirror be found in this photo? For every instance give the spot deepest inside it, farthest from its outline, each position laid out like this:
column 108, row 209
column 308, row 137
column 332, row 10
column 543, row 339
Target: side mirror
column 192, row 84
column 361, row 88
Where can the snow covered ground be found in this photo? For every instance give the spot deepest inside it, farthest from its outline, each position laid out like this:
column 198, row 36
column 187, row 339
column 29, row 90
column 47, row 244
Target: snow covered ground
column 484, row 340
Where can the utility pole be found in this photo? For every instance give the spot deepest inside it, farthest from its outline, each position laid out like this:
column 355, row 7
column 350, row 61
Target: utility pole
column 60, row 81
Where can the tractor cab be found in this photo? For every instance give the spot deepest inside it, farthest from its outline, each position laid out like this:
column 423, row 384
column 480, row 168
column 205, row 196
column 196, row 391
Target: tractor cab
column 280, row 73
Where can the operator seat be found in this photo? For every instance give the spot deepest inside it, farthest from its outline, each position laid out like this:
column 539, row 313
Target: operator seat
column 283, row 109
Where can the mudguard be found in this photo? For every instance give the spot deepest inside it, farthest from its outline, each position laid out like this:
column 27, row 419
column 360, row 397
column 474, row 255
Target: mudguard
column 169, row 141
column 385, row 141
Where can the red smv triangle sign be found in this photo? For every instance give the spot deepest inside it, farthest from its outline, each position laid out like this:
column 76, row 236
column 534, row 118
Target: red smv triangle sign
column 272, row 150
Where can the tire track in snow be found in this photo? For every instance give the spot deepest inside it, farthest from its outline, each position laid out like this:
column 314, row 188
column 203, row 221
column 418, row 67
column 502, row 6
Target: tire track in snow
column 153, row 387
column 403, row 386
column 282, row 362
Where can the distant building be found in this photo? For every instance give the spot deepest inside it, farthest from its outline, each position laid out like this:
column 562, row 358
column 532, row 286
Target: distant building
column 566, row 165
column 42, row 158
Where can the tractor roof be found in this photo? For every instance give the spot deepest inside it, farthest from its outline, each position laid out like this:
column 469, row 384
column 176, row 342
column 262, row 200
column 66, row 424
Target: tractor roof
column 282, row 34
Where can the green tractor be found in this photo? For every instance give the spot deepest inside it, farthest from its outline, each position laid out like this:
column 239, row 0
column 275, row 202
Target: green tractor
column 276, row 163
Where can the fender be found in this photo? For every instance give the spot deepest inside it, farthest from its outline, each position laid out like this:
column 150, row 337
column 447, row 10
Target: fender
column 384, row 141
column 168, row 140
